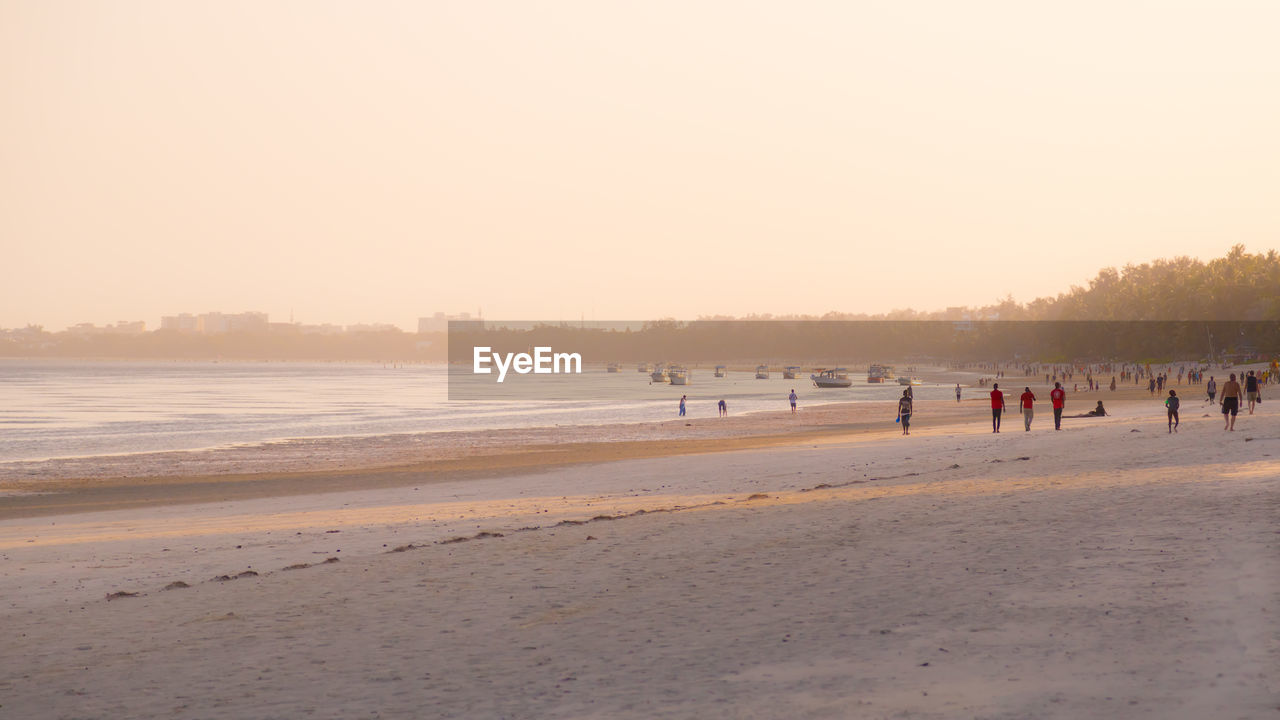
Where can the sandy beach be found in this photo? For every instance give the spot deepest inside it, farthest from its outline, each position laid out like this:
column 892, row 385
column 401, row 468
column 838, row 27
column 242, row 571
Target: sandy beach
column 831, row 568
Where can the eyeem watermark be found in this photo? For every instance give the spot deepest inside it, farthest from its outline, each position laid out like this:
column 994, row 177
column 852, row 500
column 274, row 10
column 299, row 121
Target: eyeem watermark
column 542, row 362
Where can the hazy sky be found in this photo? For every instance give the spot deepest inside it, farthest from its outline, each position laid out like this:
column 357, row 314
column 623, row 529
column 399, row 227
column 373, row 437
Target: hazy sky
column 377, row 161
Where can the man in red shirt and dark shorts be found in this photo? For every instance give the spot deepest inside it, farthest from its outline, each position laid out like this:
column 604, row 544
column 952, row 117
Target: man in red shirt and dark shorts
column 997, row 407
column 1059, row 398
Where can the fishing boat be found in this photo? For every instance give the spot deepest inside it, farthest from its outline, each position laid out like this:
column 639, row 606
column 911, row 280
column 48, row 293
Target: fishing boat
column 612, row 367
column 721, row 371
column 659, row 374
column 762, row 372
column 833, row 378
column 790, row 372
column 877, row 374
column 644, row 368
column 904, row 380
column 678, row 375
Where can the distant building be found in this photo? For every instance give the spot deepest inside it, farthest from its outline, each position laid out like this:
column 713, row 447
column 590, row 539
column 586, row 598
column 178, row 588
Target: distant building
column 185, row 322
column 372, row 327
column 320, row 329
column 216, row 323
column 440, row 322
column 123, row 327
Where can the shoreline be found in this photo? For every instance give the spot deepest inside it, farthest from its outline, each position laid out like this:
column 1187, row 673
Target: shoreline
column 307, row 467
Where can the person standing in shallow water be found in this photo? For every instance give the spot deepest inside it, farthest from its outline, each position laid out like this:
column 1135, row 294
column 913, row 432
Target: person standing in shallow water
column 997, row 407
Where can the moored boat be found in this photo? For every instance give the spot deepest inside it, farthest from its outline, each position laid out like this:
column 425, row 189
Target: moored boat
column 833, row 378
column 790, row 372
column 721, row 371
column 762, row 372
column 659, row 374
column 678, row 375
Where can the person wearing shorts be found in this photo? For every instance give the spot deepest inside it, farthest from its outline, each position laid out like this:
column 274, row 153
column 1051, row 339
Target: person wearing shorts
column 1172, row 403
column 1211, row 388
column 792, row 397
column 904, row 411
column 1251, row 390
column 1230, row 403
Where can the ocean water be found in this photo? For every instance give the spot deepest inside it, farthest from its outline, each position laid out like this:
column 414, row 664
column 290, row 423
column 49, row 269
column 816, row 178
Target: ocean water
column 61, row 408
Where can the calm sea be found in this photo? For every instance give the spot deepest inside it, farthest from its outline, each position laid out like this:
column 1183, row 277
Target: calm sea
column 53, row 409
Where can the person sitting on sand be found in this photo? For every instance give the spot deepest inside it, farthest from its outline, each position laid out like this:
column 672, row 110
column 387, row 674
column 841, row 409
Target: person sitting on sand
column 1096, row 412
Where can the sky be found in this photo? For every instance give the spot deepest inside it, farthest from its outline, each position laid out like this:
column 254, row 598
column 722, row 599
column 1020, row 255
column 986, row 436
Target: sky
column 353, row 162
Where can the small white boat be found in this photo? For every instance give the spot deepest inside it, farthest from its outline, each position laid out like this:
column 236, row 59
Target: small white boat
column 904, row 380
column 762, row 372
column 612, row 367
column 834, row 378
column 644, row 368
column 679, row 376
column 790, row 372
column 721, row 371
column 659, row 374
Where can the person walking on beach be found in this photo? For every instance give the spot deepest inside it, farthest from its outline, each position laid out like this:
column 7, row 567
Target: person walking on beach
column 997, row 407
column 1025, row 402
column 793, row 397
column 683, row 399
column 1230, row 402
column 724, row 409
column 1172, row 403
column 1211, row 388
column 1251, row 389
column 957, row 392
column 1058, row 398
column 904, row 411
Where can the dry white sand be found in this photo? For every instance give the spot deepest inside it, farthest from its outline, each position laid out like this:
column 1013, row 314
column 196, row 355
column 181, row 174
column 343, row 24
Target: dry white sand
column 1094, row 572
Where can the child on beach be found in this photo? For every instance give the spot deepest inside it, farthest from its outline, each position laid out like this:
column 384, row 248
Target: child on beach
column 1172, row 403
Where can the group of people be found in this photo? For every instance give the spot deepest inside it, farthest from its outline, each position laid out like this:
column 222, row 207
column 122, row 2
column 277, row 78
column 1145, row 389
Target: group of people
column 1234, row 397
column 1026, row 405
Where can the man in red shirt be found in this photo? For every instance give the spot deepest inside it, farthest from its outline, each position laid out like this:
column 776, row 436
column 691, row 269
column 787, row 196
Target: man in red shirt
column 1059, row 398
column 1025, row 402
column 997, row 407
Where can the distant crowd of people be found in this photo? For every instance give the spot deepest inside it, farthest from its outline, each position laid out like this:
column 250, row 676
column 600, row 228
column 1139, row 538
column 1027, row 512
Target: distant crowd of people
column 1237, row 395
